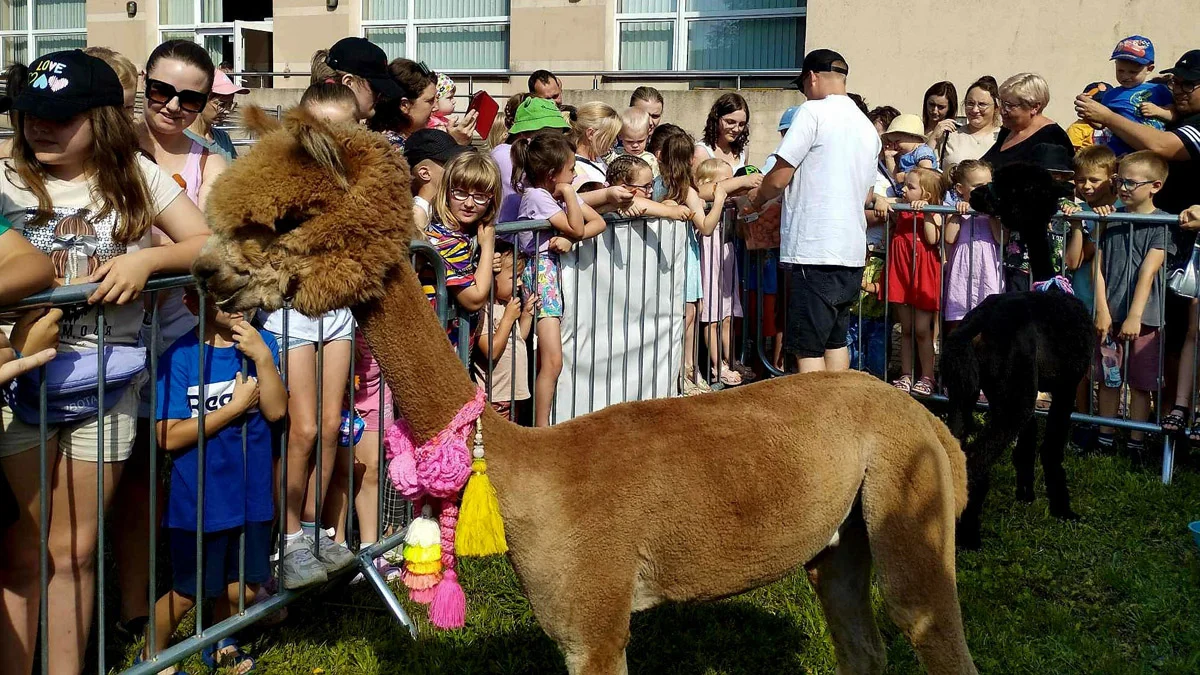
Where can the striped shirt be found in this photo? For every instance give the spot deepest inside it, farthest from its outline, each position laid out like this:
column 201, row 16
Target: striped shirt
column 459, row 253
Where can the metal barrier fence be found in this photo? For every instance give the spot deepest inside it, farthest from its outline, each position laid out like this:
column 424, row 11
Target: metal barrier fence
column 631, row 328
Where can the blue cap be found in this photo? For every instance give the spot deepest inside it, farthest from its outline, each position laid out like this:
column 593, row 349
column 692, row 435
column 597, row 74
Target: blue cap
column 785, row 120
column 1134, row 48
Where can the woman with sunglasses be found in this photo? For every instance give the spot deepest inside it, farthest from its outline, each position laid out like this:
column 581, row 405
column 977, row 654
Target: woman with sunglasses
column 409, row 112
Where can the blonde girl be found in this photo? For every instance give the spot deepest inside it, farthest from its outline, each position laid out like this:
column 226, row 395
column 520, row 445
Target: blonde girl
column 719, row 278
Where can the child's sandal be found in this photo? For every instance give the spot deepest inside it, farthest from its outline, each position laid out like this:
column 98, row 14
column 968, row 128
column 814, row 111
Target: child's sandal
column 923, row 387
column 1176, row 421
column 904, row 383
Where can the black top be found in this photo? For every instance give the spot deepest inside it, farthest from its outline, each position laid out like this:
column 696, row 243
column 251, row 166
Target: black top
column 1182, row 188
column 1023, row 151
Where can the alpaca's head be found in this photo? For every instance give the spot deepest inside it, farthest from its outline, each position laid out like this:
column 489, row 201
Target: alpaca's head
column 1025, row 197
column 316, row 213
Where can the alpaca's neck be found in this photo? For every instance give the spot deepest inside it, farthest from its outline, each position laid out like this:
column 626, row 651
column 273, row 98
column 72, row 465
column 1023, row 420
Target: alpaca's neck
column 428, row 380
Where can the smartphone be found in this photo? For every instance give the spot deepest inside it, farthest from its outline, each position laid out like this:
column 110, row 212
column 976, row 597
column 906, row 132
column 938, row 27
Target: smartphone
column 486, row 106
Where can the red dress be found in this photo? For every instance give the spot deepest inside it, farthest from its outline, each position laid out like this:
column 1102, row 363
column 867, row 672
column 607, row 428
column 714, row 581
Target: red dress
column 913, row 282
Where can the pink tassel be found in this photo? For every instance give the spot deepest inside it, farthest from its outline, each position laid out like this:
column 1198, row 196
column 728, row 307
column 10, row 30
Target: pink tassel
column 420, row 582
column 424, row 595
column 449, row 607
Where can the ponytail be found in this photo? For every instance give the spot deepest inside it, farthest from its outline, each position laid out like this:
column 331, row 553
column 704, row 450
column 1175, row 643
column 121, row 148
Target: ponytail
column 539, row 156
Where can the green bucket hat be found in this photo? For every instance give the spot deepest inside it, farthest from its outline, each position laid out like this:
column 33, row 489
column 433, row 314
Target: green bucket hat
column 537, row 113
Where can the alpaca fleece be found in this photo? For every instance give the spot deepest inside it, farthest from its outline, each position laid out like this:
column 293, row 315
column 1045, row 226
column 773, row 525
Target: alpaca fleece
column 641, row 503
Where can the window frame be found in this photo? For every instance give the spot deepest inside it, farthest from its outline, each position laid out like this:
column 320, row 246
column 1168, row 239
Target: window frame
column 32, row 34
column 411, row 26
column 681, row 20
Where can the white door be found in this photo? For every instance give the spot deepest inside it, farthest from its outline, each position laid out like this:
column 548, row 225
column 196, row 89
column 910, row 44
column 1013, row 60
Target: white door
column 252, row 51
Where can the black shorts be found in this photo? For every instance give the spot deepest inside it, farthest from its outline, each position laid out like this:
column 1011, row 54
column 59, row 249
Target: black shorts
column 221, row 552
column 819, row 298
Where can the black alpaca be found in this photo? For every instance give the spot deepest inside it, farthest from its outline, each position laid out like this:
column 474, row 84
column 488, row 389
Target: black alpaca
column 1012, row 346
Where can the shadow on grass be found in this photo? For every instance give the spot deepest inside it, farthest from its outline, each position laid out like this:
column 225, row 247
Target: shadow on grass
column 732, row 637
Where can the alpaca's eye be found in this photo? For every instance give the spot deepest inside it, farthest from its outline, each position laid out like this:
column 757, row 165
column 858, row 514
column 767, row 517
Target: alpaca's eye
column 287, row 224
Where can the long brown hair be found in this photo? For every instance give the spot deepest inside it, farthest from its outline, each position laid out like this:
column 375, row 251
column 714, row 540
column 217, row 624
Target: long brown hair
column 674, row 148
column 113, row 171
column 728, row 103
column 538, row 157
column 946, row 90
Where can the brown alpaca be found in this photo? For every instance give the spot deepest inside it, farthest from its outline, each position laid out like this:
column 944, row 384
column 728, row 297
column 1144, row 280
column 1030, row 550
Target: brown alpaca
column 641, row 503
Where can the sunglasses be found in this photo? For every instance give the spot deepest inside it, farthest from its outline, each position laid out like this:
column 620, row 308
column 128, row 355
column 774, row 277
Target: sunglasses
column 162, row 93
column 480, row 199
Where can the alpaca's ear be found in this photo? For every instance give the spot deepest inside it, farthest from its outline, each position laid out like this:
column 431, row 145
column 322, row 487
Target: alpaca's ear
column 318, row 140
column 259, row 121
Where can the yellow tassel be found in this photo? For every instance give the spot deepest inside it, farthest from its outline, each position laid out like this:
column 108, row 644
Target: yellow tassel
column 422, row 554
column 480, row 529
column 432, row 567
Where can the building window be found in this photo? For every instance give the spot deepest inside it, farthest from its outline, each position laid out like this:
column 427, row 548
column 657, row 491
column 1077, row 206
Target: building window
column 710, row 34
column 463, row 35
column 53, row 25
column 236, row 33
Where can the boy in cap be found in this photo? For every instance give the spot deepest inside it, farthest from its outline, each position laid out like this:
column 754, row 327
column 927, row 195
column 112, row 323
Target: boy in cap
column 427, row 151
column 1134, row 57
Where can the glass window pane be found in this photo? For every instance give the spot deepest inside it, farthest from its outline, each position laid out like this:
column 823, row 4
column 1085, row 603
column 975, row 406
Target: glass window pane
column 211, row 11
column 390, row 40
column 59, row 14
column 646, row 6
column 178, row 35
column 746, row 44
column 16, row 50
column 14, row 14
column 219, row 48
column 382, row 10
column 463, row 47
column 56, row 43
column 733, row 5
column 647, row 45
column 176, row 12
column 459, row 9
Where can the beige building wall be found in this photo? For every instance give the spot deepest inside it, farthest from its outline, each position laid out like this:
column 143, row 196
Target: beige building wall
column 304, row 26
column 1066, row 41
column 109, row 25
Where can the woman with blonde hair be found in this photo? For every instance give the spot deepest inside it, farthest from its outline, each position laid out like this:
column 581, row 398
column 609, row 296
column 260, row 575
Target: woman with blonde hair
column 1023, row 101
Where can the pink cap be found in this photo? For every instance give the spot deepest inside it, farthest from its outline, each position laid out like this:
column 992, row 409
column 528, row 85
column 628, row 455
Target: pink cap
column 222, row 85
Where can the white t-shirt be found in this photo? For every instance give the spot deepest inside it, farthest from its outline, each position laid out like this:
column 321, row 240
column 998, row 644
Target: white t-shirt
column 77, row 242
column 834, row 148
column 421, row 203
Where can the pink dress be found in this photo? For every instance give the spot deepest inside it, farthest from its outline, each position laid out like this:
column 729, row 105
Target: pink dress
column 973, row 268
column 719, row 278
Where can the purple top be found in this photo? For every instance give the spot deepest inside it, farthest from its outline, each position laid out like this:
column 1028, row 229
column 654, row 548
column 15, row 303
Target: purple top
column 537, row 204
column 510, row 201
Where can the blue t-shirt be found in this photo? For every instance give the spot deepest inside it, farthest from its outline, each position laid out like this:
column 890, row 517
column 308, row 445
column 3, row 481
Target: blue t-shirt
column 909, row 160
column 1126, row 102
column 237, row 487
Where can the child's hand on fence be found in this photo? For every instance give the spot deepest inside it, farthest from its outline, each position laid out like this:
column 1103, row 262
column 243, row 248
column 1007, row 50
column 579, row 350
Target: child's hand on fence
column 682, row 213
column 1190, row 218
column 36, row 330
column 497, row 263
column 486, row 233
column 513, row 309
column 918, row 204
column 634, row 210
column 245, row 392
column 1131, row 328
column 882, row 207
column 1069, row 208
column 963, row 207
column 121, row 279
column 249, row 342
column 1105, row 210
column 560, row 244
column 532, row 302
column 1103, row 323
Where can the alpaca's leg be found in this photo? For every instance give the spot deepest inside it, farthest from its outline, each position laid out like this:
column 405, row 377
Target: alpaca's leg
column 909, row 510
column 1009, row 412
column 1024, row 458
column 842, row 578
column 1058, row 426
column 589, row 620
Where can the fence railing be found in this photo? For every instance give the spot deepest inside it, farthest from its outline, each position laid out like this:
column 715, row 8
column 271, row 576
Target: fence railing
column 649, row 309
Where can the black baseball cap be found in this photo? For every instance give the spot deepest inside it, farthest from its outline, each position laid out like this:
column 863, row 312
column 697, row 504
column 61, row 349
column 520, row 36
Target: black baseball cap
column 63, row 84
column 1187, row 68
column 822, row 61
column 432, row 144
column 359, row 56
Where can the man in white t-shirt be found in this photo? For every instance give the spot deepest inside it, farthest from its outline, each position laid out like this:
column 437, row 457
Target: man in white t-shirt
column 826, row 162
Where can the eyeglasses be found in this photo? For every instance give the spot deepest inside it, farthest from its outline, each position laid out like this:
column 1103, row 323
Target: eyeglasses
column 971, row 105
column 480, row 199
column 1006, row 106
column 1128, row 184
column 162, row 94
column 1183, row 85
column 646, row 189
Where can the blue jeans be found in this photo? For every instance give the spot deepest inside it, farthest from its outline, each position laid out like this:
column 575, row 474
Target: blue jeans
column 872, row 357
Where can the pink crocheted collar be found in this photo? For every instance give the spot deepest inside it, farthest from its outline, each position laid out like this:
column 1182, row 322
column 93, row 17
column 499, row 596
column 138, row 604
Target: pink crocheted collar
column 439, row 467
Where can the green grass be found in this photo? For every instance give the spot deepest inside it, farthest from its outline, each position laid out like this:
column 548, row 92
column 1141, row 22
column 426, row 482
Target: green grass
column 1118, row 592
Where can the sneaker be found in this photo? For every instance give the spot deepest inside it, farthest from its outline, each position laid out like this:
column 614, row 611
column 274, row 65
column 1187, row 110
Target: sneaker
column 299, row 567
column 333, row 556
column 389, row 571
